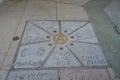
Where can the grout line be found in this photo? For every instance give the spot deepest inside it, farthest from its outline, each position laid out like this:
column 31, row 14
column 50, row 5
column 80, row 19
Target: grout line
column 58, row 73
column 41, row 28
column 60, row 27
column 59, row 68
column 61, row 2
column 75, row 56
column 26, row 44
column 78, row 28
column 48, row 56
column 56, row 11
column 85, row 42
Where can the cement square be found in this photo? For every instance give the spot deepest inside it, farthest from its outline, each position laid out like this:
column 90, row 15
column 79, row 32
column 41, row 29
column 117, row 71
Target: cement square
column 59, row 44
column 33, row 75
column 71, row 12
column 84, row 74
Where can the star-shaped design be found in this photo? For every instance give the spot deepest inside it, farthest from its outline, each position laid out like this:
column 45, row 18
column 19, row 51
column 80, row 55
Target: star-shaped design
column 59, row 44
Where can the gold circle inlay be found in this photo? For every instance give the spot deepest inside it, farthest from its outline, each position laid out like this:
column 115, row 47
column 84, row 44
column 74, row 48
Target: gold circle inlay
column 60, row 38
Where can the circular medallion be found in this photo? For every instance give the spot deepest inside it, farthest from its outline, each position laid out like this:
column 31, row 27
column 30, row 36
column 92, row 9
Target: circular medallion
column 60, row 38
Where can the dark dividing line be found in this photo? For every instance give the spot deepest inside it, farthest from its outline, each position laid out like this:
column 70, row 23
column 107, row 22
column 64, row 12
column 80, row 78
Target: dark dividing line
column 59, row 68
column 78, row 28
column 56, row 11
column 35, row 43
column 76, row 75
column 41, row 28
column 86, row 42
column 50, row 53
column 74, row 55
column 60, row 27
column 58, row 73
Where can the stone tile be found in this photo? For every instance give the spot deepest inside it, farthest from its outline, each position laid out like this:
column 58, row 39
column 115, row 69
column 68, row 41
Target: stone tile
column 71, row 12
column 33, row 75
column 62, row 58
column 56, row 0
column 32, row 55
column 89, row 54
column 50, row 26
column 13, row 7
column 84, row 74
column 2, row 58
column 67, row 27
column 75, row 2
column 3, row 75
column 82, row 33
column 35, row 17
column 40, row 10
column 34, row 34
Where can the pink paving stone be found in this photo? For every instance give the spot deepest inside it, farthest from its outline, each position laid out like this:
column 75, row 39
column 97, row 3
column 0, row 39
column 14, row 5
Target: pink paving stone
column 84, row 74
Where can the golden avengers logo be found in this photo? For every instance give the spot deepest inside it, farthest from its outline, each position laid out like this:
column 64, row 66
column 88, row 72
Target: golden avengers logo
column 60, row 38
